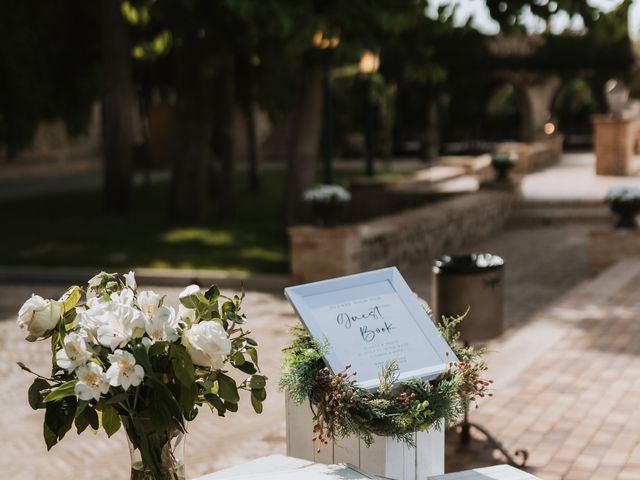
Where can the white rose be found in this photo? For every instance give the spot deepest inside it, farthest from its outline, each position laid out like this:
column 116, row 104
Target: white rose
column 190, row 290
column 39, row 316
column 207, row 344
column 93, row 284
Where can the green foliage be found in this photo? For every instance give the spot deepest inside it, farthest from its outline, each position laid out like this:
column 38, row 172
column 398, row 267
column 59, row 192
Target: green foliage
column 395, row 409
column 48, row 66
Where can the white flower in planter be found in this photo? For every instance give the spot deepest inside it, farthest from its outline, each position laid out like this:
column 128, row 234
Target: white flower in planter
column 124, row 371
column 119, row 325
column 39, row 316
column 163, row 325
column 149, row 301
column 75, row 352
column 92, row 382
column 327, row 194
column 207, row 344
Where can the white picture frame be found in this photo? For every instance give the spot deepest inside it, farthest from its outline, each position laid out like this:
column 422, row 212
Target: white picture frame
column 390, row 324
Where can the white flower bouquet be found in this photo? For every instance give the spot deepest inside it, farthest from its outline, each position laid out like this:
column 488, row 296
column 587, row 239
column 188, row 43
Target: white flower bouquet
column 124, row 357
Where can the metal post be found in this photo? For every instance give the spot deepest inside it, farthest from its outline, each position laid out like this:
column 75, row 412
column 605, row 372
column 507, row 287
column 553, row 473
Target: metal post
column 369, row 127
column 326, row 144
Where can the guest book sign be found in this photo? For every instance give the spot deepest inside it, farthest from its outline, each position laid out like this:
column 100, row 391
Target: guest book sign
column 369, row 320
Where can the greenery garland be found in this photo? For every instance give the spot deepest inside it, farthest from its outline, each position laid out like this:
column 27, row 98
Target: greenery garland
column 341, row 409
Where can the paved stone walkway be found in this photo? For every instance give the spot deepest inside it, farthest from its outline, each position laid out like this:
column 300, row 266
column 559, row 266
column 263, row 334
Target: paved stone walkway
column 568, row 385
column 573, row 179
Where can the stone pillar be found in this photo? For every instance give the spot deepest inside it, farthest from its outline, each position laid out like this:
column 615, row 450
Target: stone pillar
column 614, row 139
column 321, row 253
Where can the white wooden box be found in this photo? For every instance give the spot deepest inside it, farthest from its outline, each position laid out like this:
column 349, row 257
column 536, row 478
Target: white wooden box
column 385, row 457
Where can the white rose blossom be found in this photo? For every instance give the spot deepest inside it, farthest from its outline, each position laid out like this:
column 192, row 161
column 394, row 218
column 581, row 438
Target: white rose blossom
column 190, row 290
column 124, row 371
column 74, row 353
column 39, row 316
column 207, row 344
column 149, row 301
column 92, row 382
column 119, row 325
column 163, row 325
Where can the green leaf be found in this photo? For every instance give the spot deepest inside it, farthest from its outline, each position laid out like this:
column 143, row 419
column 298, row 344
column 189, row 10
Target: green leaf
column 142, row 358
column 212, row 294
column 251, row 341
column 35, row 393
column 71, row 297
column 167, row 401
column 50, row 438
column 257, row 382
column 253, row 353
column 227, row 388
column 248, row 368
column 260, row 394
column 256, row 403
column 64, row 390
column 188, row 397
column 110, row 420
column 216, row 402
column 237, row 359
column 58, row 419
column 182, row 365
column 232, row 407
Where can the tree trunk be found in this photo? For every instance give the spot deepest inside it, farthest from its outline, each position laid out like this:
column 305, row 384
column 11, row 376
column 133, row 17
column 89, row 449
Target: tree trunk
column 224, row 109
column 119, row 106
column 303, row 146
column 252, row 141
column 191, row 157
column 432, row 130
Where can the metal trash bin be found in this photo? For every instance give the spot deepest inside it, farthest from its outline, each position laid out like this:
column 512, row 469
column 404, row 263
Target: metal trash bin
column 475, row 282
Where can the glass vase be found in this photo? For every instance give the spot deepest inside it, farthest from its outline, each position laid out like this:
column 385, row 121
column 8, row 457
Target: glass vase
column 154, row 455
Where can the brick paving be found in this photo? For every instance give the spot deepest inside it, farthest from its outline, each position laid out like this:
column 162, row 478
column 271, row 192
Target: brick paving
column 574, row 405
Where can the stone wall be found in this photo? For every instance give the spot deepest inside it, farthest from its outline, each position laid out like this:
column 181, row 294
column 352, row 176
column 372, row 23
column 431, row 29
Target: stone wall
column 608, row 246
column 534, row 156
column 399, row 239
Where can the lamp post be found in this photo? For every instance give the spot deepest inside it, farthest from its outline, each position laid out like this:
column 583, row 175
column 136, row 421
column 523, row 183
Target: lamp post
column 322, row 42
column 369, row 64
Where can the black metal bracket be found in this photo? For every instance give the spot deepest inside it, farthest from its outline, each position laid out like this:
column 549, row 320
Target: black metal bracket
column 465, row 439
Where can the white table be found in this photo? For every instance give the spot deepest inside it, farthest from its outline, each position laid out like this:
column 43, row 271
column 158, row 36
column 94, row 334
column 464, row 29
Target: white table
column 280, row 463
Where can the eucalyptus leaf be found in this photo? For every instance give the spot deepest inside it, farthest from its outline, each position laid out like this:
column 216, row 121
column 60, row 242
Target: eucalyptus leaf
column 216, row 402
column 248, row 368
column 256, row 404
column 260, row 394
column 257, row 381
column 228, row 389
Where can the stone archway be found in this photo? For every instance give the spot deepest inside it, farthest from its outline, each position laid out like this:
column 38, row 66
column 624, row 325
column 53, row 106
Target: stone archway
column 535, row 93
